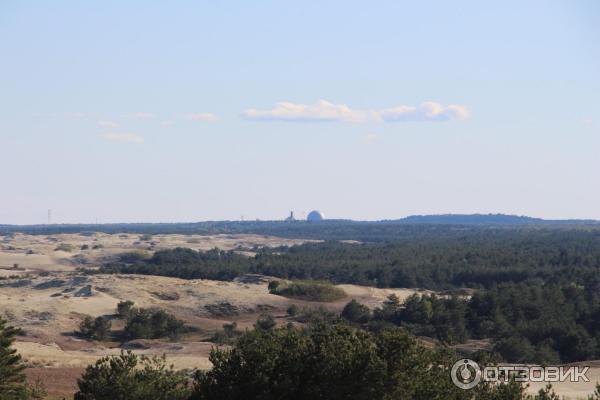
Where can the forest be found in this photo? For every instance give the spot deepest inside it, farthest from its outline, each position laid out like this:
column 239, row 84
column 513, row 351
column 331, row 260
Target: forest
column 535, row 290
column 448, row 259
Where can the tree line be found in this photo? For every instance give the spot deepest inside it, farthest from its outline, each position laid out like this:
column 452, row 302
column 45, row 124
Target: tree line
column 437, row 262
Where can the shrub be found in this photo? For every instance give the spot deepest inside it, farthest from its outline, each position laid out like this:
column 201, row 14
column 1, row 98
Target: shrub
column 222, row 309
column 64, row 247
column 356, row 312
column 310, row 290
column 152, row 324
column 227, row 335
column 316, row 315
column 97, row 329
column 293, row 310
column 265, row 322
column 124, row 308
column 133, row 378
column 273, row 286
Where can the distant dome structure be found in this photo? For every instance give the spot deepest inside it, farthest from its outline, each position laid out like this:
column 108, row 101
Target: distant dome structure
column 315, row 216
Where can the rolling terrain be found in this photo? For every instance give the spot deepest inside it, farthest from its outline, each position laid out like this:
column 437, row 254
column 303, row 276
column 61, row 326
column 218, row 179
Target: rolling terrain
column 44, row 292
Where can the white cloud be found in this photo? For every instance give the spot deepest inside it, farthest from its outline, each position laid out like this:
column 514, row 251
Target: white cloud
column 107, row 124
column 206, row 117
column 325, row 111
column 123, row 137
column 321, row 111
column 142, row 115
column 427, row 111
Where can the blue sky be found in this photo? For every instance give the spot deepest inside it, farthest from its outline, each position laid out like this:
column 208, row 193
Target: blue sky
column 185, row 111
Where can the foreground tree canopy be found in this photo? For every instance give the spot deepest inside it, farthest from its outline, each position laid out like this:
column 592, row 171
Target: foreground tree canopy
column 129, row 377
column 12, row 378
column 323, row 361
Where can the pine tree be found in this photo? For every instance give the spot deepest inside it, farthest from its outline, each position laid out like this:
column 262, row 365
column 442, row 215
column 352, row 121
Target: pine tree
column 12, row 378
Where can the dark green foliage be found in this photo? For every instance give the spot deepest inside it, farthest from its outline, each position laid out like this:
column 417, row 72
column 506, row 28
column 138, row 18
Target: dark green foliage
column 356, row 312
column 527, row 323
column 129, row 377
column 309, row 290
column 335, row 361
column 314, row 315
column 152, row 324
column 124, row 308
column 228, row 335
column 273, row 286
column 12, row 379
column 293, row 310
column 184, row 263
column 433, row 258
column 265, row 322
column 132, row 257
column 97, row 329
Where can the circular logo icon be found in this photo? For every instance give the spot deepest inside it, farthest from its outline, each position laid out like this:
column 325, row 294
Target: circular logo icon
column 465, row 374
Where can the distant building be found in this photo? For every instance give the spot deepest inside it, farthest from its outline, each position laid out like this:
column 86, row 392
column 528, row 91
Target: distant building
column 291, row 217
column 315, row 216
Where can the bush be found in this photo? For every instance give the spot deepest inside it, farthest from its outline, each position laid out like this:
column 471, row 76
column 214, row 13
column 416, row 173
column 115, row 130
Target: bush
column 265, row 322
column 310, row 290
column 293, row 310
column 133, row 378
column 124, row 308
column 356, row 312
column 64, row 247
column 316, row 315
column 273, row 286
column 152, row 324
column 97, row 329
column 227, row 335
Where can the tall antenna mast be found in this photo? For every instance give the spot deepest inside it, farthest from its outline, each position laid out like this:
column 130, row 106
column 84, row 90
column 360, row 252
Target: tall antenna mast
column 49, row 216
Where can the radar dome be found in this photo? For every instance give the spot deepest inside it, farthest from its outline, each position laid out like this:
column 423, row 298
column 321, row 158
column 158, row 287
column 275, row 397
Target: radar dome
column 315, row 216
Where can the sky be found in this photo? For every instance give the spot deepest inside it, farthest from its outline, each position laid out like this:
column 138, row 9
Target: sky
column 151, row 111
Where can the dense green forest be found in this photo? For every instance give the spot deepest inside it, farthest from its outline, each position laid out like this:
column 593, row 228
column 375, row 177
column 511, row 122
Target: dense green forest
column 525, row 323
column 445, row 260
